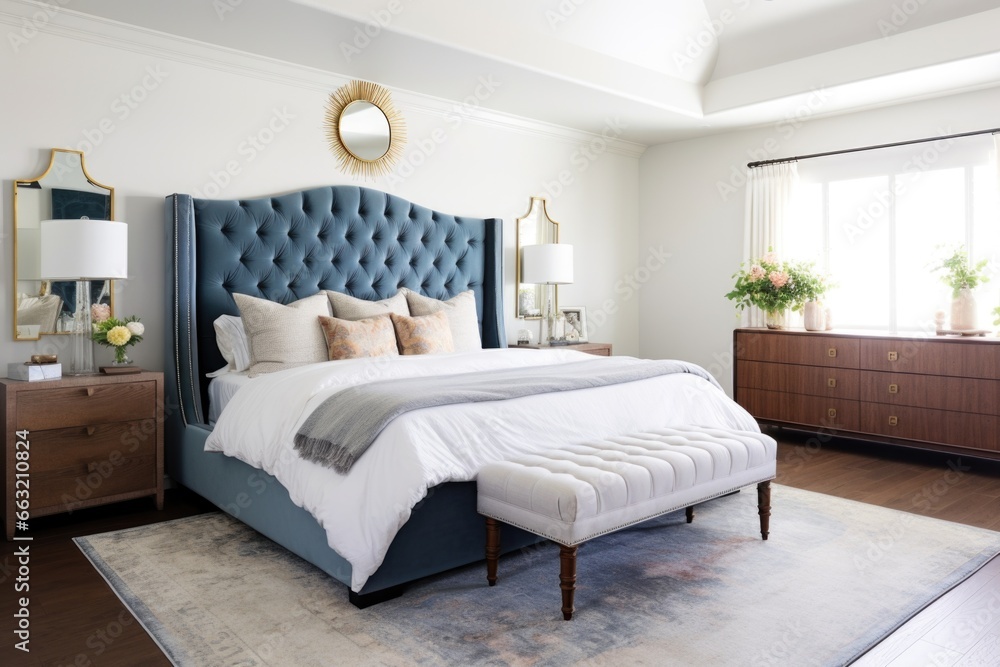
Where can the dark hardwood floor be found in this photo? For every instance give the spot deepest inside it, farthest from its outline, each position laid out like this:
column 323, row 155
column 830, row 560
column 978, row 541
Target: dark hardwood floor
column 77, row 620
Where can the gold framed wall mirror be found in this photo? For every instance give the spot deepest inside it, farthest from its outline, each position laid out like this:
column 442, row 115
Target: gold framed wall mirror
column 533, row 228
column 364, row 129
column 64, row 191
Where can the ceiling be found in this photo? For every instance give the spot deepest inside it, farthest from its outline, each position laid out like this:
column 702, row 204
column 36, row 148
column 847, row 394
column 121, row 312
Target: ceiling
column 648, row 71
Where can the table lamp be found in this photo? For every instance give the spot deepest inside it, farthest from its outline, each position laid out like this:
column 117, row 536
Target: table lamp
column 547, row 264
column 83, row 250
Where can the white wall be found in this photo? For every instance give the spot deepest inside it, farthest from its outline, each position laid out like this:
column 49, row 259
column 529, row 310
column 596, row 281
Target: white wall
column 79, row 83
column 692, row 199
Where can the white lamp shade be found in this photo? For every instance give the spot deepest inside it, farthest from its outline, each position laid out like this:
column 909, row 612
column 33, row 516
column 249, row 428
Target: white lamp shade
column 547, row 264
column 84, row 250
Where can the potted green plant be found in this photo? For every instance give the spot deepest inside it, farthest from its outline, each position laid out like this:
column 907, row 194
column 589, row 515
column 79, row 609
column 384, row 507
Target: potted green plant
column 776, row 287
column 962, row 276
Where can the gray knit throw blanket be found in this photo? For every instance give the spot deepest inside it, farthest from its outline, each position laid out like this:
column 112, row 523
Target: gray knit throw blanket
column 343, row 426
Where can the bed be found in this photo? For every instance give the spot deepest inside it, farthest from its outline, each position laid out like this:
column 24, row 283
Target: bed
column 367, row 244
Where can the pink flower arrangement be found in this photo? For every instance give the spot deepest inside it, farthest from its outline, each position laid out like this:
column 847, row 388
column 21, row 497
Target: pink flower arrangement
column 778, row 278
column 788, row 286
column 100, row 312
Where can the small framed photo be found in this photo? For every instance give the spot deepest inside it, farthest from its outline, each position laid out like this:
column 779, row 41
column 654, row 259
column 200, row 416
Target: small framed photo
column 575, row 318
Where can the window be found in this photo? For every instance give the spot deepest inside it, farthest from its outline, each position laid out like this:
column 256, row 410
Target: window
column 878, row 221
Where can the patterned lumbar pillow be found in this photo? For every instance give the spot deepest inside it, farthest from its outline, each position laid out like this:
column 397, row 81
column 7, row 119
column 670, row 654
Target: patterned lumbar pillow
column 283, row 336
column 427, row 334
column 461, row 312
column 370, row 337
column 347, row 307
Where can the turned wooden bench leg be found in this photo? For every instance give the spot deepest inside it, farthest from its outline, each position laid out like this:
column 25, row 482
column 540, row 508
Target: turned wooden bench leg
column 567, row 579
column 689, row 513
column 492, row 549
column 764, row 507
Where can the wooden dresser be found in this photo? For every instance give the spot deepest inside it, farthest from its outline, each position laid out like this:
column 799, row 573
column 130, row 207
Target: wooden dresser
column 79, row 442
column 936, row 393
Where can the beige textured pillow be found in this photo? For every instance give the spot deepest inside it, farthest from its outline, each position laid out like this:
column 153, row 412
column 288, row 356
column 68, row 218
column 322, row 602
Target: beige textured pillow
column 427, row 334
column 370, row 337
column 461, row 312
column 283, row 336
column 347, row 307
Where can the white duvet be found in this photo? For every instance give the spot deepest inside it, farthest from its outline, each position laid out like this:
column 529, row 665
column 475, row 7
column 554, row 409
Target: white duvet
column 362, row 511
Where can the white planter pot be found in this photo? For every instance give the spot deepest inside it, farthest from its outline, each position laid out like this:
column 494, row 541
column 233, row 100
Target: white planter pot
column 814, row 316
column 963, row 311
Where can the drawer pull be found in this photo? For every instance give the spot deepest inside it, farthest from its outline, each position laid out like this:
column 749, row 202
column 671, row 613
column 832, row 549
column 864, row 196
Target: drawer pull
column 91, row 429
column 90, row 391
column 893, row 421
column 92, row 466
column 831, row 413
column 831, row 352
column 893, row 356
column 831, row 383
column 893, row 388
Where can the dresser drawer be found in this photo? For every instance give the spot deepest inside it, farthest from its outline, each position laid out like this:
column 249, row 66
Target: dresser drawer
column 828, row 413
column 792, row 379
column 85, row 406
column 76, row 464
column 801, row 349
column 960, row 429
column 955, row 358
column 931, row 391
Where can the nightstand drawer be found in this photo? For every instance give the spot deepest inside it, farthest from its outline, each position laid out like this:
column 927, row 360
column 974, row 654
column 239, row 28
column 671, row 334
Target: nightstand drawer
column 85, row 406
column 72, row 465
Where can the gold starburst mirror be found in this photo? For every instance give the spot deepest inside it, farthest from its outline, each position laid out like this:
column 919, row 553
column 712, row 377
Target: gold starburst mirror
column 365, row 130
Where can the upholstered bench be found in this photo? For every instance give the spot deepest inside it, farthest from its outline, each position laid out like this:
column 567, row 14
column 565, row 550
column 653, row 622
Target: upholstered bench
column 572, row 494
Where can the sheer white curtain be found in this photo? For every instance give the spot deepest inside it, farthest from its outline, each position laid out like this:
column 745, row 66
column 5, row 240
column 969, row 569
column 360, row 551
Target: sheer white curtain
column 770, row 192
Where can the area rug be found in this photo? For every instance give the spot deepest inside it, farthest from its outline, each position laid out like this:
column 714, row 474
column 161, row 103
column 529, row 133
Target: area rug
column 833, row 579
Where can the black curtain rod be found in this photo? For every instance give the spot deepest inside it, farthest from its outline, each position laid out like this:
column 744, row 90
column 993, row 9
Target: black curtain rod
column 753, row 165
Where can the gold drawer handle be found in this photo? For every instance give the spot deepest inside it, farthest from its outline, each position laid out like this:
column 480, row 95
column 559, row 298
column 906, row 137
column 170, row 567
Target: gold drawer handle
column 893, row 388
column 893, row 356
column 91, row 429
column 90, row 391
column 831, row 383
column 92, row 466
column 832, row 352
column 893, row 421
column 831, row 413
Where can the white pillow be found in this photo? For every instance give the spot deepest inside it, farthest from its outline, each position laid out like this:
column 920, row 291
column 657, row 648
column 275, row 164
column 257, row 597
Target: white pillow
column 283, row 336
column 461, row 312
column 346, row 307
column 232, row 342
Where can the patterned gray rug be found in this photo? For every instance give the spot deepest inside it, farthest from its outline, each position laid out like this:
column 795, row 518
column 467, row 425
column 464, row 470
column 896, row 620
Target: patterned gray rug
column 833, row 579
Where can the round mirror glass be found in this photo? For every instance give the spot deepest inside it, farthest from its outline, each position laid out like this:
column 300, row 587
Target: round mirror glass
column 364, row 130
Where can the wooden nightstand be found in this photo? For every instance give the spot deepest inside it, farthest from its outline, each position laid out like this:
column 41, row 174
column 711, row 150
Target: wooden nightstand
column 80, row 441
column 600, row 349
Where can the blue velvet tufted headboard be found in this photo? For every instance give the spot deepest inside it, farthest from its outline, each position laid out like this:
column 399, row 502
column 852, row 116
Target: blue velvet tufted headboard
column 354, row 240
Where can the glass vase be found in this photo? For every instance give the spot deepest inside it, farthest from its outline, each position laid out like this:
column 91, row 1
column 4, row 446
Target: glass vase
column 121, row 357
column 776, row 319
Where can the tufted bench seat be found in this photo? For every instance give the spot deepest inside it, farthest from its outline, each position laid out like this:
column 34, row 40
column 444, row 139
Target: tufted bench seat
column 575, row 493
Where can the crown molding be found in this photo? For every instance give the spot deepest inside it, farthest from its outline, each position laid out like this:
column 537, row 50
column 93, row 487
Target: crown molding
column 65, row 22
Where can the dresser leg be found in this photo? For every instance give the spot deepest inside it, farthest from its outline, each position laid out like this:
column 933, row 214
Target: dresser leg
column 689, row 513
column 567, row 579
column 764, row 507
column 492, row 549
